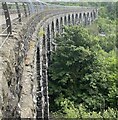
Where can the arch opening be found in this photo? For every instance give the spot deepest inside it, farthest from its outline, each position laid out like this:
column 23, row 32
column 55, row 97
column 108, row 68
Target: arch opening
column 91, row 16
column 52, row 29
column 73, row 22
column 84, row 19
column 39, row 95
column 88, row 18
column 57, row 25
column 44, row 40
column 76, row 19
column 48, row 44
column 45, row 79
column 65, row 20
column 61, row 24
column 94, row 14
column 80, row 18
column 69, row 22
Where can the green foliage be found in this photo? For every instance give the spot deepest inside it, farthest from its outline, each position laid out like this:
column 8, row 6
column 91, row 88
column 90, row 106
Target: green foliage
column 108, row 10
column 70, row 111
column 106, row 25
column 83, row 68
column 83, row 74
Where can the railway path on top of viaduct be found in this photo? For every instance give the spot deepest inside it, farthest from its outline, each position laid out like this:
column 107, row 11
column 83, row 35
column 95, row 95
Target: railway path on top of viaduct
column 25, row 56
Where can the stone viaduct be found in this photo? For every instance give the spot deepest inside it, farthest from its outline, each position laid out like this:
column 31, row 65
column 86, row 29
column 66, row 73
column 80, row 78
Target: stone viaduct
column 25, row 57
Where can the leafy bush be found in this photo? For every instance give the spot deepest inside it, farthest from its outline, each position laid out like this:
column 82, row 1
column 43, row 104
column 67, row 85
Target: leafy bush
column 70, row 111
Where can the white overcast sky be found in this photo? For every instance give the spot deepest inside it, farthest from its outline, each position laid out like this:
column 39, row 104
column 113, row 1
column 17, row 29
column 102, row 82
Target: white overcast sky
column 65, row 0
column 80, row 0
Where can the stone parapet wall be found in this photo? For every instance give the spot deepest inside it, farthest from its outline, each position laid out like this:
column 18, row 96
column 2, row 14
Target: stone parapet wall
column 14, row 85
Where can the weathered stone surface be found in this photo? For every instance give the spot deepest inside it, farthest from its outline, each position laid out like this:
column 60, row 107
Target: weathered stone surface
column 15, row 92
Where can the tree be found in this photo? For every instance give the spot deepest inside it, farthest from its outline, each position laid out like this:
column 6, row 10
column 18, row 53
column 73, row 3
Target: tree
column 82, row 71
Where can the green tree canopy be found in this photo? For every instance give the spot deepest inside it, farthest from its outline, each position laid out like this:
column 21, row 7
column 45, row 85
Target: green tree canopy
column 82, row 71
